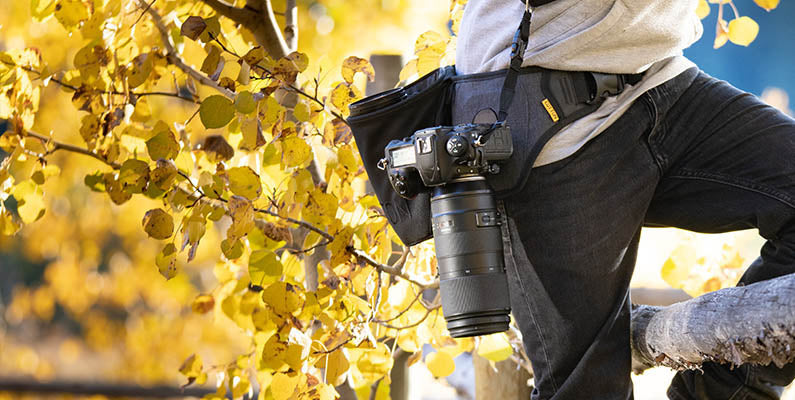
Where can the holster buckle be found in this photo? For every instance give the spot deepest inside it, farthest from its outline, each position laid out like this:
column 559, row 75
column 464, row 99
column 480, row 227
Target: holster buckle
column 604, row 85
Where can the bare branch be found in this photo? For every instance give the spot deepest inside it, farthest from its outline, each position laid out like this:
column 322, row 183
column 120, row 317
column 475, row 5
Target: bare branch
column 56, row 146
column 174, row 58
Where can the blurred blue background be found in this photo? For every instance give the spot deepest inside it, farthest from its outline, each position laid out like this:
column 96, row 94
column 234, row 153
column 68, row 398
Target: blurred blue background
column 768, row 62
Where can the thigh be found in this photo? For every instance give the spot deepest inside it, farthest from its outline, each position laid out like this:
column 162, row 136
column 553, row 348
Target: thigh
column 573, row 234
column 728, row 163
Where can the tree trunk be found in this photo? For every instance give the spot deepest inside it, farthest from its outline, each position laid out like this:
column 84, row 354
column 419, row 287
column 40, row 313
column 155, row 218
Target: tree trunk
column 747, row 324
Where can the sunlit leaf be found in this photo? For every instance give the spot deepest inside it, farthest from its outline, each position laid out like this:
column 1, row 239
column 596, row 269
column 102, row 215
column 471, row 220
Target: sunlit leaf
column 743, row 31
column 70, row 13
column 244, row 102
column 702, row 11
column 352, row 65
column 440, row 364
column 495, row 347
column 767, row 4
column 243, row 181
column 166, row 261
column 264, row 267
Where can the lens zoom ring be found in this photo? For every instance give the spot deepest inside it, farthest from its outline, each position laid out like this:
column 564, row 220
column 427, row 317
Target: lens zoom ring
column 473, row 294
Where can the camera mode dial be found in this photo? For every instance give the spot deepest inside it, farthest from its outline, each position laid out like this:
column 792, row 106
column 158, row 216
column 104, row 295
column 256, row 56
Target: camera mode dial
column 456, row 146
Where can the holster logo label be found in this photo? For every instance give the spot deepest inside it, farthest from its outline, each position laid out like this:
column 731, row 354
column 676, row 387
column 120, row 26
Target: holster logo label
column 550, row 110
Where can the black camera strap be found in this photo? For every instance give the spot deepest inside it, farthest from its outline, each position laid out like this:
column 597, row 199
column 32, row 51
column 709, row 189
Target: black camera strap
column 586, row 87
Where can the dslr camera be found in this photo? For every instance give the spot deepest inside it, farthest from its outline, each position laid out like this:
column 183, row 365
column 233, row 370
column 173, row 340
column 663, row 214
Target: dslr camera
column 451, row 162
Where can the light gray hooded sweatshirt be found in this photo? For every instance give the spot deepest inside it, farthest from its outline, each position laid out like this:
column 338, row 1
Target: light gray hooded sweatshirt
column 612, row 36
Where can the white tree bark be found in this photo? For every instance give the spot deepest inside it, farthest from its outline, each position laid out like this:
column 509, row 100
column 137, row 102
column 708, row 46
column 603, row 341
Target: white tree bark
column 747, row 324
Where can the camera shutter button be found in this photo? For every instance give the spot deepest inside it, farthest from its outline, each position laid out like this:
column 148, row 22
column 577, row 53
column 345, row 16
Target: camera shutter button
column 456, row 146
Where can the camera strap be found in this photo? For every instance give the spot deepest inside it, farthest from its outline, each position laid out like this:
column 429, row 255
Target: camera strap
column 584, row 87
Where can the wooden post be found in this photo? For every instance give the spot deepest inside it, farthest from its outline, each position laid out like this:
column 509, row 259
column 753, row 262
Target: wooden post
column 508, row 381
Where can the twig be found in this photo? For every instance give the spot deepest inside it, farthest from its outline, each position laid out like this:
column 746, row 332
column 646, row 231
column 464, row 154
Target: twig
column 113, row 92
column 174, row 58
column 56, row 146
column 362, row 256
column 142, row 14
column 421, row 320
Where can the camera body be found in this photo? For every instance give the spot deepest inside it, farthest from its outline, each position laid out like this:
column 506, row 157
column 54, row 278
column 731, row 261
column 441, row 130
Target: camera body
column 451, row 162
column 435, row 156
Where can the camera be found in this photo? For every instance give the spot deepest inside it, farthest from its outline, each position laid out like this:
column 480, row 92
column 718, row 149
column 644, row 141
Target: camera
column 451, row 162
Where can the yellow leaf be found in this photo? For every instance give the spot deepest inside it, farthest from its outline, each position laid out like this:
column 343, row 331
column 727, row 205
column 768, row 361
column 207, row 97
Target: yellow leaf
column 343, row 95
column 264, row 267
column 242, row 213
column 767, row 4
column 133, row 175
column 352, row 65
column 710, row 285
column 282, row 297
column 283, row 386
column 163, row 175
column 8, row 224
column 158, row 224
column 243, row 181
column 409, row 70
column 743, row 31
column 203, row 304
column 139, row 70
column 70, row 13
column 192, row 366
column 295, row 151
column 440, row 364
column 703, row 9
column 254, row 56
column 41, row 9
column 495, row 347
column 336, row 365
column 166, row 261
column 31, row 201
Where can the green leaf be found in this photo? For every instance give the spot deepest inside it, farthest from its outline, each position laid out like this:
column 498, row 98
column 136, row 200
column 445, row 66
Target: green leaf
column 216, row 111
column 243, row 181
column 232, row 251
column 245, row 103
column 263, row 264
column 158, row 224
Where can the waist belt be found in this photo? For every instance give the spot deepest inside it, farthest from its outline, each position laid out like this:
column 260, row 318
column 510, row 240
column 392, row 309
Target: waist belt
column 547, row 101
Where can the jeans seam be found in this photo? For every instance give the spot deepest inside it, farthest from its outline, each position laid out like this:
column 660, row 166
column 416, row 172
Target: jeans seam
column 531, row 312
column 653, row 134
column 735, row 182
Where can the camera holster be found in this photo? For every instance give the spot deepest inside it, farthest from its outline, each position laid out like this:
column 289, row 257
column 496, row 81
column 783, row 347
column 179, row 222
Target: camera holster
column 535, row 103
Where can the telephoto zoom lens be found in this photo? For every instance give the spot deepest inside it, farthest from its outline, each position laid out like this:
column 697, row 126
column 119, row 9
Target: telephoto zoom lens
column 472, row 280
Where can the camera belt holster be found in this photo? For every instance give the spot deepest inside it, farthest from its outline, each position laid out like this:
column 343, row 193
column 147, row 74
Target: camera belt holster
column 535, row 102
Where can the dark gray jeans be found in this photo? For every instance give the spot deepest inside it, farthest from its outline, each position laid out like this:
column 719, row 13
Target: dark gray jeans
column 694, row 153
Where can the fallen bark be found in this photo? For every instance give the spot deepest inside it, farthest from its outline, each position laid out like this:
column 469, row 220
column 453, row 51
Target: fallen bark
column 747, row 324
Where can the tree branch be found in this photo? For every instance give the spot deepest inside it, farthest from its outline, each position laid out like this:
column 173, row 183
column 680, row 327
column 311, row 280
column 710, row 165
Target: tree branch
column 56, row 146
column 174, row 58
column 260, row 20
column 290, row 25
column 746, row 324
